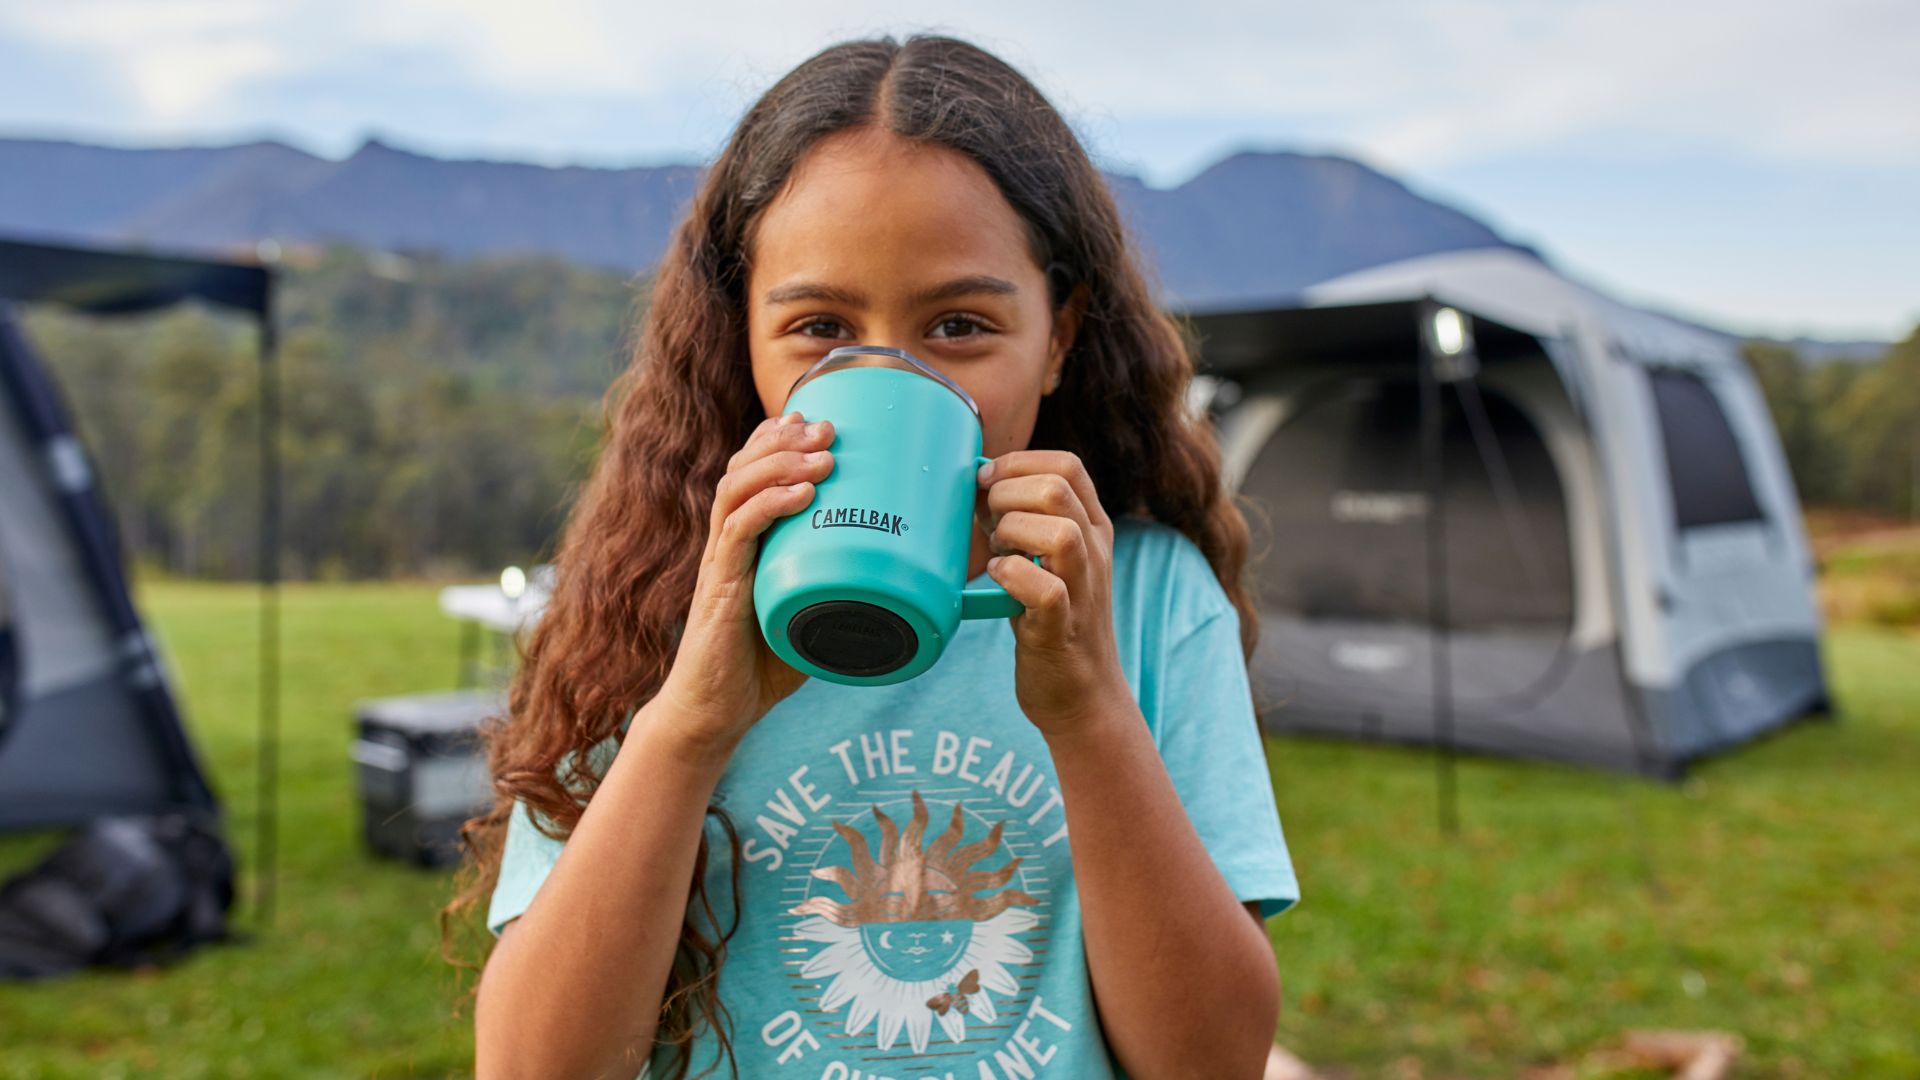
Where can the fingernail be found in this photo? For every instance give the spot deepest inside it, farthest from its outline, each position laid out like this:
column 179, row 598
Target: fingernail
column 995, row 561
column 814, row 429
column 816, row 456
column 986, row 471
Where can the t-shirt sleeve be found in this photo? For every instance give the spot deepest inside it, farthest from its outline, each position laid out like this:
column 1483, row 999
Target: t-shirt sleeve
column 529, row 854
column 1213, row 750
column 525, row 860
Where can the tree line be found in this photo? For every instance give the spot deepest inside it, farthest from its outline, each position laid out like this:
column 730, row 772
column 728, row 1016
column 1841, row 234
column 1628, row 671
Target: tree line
column 436, row 416
column 1851, row 429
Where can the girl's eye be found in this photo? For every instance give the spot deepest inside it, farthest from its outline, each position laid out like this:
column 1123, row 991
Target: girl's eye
column 959, row 326
column 809, row 328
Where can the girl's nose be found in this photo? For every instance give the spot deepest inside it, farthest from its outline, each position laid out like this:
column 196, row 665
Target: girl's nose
column 891, row 341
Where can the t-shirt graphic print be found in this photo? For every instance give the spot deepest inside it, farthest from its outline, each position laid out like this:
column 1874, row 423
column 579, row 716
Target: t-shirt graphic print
column 927, row 937
column 907, row 908
column 912, row 873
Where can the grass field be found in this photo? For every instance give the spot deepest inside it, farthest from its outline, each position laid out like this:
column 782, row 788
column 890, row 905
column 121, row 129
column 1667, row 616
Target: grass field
column 1772, row 895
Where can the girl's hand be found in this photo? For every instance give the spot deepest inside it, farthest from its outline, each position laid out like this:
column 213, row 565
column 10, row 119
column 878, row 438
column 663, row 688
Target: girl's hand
column 724, row 675
column 1067, row 667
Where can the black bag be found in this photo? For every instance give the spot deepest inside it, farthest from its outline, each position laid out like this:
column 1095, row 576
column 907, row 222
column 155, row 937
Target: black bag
column 123, row 891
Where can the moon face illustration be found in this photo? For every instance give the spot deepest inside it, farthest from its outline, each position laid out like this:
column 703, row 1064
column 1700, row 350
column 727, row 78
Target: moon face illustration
column 913, row 951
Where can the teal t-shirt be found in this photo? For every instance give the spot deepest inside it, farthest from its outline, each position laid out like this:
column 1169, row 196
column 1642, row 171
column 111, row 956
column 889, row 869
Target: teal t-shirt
column 907, row 892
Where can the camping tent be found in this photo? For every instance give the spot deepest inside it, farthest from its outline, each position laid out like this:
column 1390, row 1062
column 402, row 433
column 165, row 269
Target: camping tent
column 1513, row 515
column 88, row 723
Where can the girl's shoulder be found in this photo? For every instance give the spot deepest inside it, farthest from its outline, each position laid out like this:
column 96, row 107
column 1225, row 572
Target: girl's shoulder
column 1161, row 578
column 1137, row 538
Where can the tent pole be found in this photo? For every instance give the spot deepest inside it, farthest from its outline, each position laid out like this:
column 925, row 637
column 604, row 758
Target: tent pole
column 267, row 795
column 1439, row 663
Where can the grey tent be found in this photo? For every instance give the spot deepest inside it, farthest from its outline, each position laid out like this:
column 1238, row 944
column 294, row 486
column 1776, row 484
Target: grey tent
column 1513, row 515
column 88, row 723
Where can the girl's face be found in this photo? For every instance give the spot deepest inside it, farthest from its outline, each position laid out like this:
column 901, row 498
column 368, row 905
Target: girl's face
column 879, row 240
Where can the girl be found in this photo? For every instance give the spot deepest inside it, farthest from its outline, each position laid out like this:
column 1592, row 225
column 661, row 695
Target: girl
column 1049, row 855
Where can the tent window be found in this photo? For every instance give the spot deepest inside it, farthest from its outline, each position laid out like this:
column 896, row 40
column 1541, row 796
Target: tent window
column 1705, row 472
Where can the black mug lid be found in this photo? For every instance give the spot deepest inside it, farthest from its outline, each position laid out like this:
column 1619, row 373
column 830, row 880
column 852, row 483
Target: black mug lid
column 840, row 356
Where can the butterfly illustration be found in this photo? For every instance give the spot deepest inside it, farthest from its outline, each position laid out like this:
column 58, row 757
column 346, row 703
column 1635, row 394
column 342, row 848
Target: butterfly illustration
column 956, row 998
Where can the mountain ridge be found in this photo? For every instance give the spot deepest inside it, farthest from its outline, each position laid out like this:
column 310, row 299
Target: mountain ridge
column 1254, row 225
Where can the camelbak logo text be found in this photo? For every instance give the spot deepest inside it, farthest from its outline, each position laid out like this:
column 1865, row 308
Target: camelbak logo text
column 859, row 517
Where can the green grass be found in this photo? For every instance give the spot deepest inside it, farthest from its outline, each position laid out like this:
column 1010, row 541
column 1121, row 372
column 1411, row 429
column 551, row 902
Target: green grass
column 348, row 981
column 1772, row 895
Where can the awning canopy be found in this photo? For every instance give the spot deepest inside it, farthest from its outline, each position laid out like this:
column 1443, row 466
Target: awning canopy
column 1239, row 342
column 116, row 282
column 1511, row 295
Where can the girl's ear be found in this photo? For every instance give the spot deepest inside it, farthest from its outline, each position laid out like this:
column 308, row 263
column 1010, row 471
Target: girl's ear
column 1066, row 328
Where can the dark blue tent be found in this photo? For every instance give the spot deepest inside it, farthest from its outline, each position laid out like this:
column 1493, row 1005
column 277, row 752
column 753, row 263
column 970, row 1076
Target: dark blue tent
column 88, row 723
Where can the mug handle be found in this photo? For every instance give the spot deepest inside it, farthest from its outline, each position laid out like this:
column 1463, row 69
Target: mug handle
column 989, row 601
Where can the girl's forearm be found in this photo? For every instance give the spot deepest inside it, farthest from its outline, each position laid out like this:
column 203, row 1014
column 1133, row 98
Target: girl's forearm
column 1183, row 979
column 574, row 985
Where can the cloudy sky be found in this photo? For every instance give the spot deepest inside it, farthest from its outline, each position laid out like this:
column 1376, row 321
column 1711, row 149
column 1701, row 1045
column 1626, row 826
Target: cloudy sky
column 1757, row 165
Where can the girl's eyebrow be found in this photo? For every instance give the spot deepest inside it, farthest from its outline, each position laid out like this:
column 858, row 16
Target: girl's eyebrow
column 969, row 285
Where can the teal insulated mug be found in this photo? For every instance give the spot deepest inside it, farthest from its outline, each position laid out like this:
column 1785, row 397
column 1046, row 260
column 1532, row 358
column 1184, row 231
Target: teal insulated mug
column 866, row 584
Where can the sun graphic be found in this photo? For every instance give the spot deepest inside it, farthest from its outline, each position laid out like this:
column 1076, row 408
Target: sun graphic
column 913, row 943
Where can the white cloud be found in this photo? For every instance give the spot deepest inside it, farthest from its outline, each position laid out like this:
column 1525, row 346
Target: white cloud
column 1832, row 81
column 173, row 59
column 1410, row 82
column 553, row 47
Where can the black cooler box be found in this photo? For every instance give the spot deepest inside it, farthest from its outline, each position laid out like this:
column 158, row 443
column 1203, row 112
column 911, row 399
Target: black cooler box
column 422, row 771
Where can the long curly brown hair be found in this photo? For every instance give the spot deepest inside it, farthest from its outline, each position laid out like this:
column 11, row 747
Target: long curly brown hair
column 629, row 556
